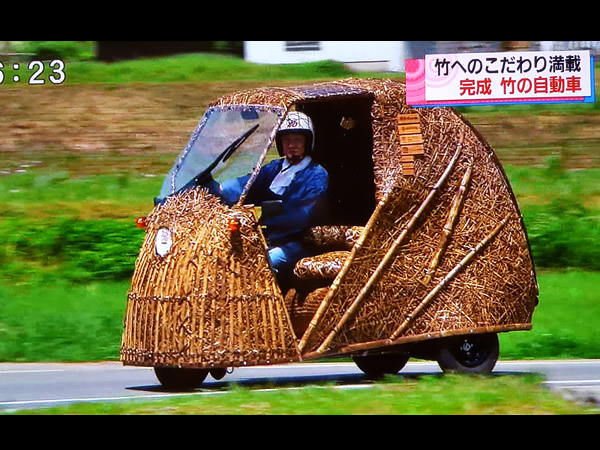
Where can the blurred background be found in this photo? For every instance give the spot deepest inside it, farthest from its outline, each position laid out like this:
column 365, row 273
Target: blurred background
column 80, row 160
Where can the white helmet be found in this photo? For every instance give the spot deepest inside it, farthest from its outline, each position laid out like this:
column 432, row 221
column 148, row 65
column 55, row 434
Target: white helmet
column 296, row 122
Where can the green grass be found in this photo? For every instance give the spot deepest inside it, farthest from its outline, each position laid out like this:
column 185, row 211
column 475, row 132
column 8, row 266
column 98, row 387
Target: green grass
column 46, row 193
column 53, row 320
column 565, row 323
column 76, row 229
column 427, row 395
column 535, row 186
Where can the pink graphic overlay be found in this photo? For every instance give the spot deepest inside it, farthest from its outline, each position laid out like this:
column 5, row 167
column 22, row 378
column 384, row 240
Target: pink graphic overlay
column 415, row 81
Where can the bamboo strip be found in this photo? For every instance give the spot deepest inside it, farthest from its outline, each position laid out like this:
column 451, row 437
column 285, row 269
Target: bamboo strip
column 403, row 119
column 272, row 325
column 461, row 265
column 157, row 334
column 202, row 299
column 133, row 321
column 144, row 335
column 415, row 149
column 130, row 319
column 280, row 315
column 231, row 326
column 242, row 330
column 140, row 333
column 267, row 344
column 448, row 229
column 411, row 139
column 391, row 253
column 409, row 128
column 232, row 313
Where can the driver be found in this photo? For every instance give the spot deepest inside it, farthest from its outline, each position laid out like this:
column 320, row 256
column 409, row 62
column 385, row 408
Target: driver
column 298, row 181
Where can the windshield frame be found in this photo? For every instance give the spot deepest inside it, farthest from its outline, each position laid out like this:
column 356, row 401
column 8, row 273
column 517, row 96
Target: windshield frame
column 171, row 176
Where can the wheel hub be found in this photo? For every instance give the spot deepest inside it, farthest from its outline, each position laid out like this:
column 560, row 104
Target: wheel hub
column 470, row 352
column 466, row 347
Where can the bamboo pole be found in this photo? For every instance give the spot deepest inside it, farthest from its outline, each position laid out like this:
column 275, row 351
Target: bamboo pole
column 448, row 229
column 362, row 346
column 461, row 265
column 391, row 254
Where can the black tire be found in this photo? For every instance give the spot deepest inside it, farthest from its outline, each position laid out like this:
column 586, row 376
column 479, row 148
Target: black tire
column 476, row 353
column 219, row 373
column 377, row 365
column 180, row 378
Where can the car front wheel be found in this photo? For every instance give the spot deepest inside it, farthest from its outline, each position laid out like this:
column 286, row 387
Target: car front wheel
column 180, row 377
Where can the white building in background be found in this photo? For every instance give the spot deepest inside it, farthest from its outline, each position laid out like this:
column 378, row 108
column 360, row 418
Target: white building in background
column 389, row 56
column 374, row 56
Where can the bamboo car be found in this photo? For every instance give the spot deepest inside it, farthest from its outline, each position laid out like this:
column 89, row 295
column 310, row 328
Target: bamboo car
column 425, row 253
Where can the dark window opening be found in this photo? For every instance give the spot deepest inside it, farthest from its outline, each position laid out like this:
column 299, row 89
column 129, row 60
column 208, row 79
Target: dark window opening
column 344, row 146
column 302, row 46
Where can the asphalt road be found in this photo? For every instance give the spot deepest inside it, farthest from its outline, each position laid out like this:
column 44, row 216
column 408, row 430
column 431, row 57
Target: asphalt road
column 35, row 385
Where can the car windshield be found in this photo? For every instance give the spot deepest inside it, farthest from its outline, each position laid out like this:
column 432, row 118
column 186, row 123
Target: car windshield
column 228, row 142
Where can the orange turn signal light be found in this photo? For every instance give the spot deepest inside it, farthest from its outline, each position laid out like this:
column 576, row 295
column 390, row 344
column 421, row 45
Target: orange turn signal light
column 234, row 225
column 140, row 222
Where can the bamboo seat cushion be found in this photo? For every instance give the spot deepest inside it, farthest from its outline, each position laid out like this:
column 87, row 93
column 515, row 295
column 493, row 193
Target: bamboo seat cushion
column 324, row 266
column 338, row 237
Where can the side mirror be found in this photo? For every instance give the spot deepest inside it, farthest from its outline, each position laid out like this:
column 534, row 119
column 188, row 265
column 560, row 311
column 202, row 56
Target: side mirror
column 270, row 208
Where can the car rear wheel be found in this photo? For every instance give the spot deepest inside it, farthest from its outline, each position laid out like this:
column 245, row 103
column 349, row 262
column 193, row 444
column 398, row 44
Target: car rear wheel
column 475, row 353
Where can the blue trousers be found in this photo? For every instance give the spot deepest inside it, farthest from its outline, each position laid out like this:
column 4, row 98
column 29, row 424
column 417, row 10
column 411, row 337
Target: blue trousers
column 284, row 258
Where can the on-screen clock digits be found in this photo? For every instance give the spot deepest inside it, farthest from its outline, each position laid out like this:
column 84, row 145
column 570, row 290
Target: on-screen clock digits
column 55, row 71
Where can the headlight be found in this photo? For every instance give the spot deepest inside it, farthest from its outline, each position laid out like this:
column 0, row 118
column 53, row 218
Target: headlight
column 163, row 242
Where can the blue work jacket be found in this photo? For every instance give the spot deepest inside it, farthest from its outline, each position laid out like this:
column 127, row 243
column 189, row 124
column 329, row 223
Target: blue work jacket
column 304, row 200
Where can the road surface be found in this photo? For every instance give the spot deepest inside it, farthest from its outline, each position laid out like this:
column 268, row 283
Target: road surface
column 35, row 385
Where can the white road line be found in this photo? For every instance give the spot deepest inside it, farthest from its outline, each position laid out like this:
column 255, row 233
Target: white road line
column 102, row 399
column 550, row 361
column 573, row 382
column 31, row 371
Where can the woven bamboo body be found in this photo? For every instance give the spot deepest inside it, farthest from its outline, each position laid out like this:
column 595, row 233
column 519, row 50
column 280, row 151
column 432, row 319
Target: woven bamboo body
column 212, row 301
column 445, row 252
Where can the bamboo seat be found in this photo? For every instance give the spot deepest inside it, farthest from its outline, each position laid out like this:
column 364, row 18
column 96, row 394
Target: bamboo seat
column 332, row 243
column 325, row 266
column 333, row 237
